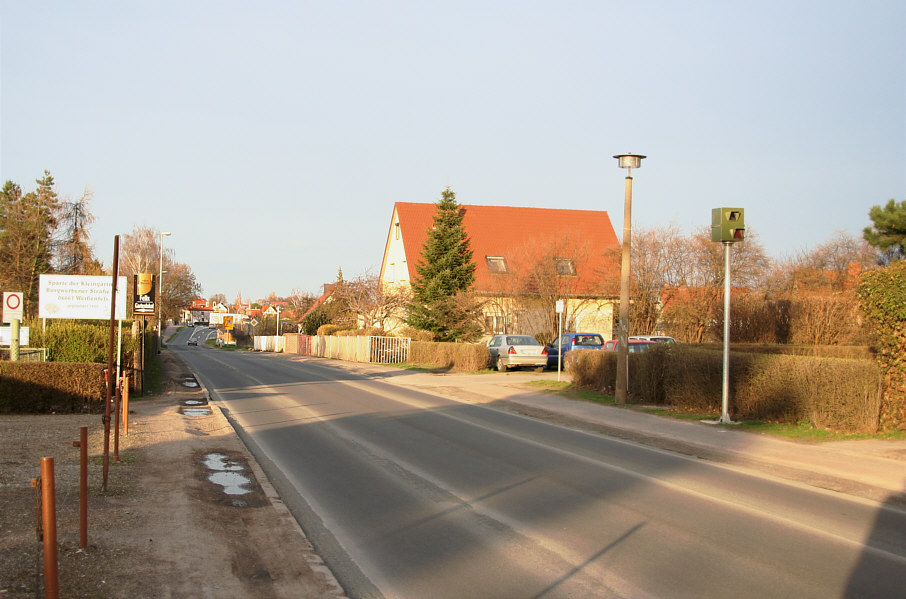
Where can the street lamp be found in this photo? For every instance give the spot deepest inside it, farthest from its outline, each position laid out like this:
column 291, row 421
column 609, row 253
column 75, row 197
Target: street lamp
column 629, row 162
column 160, row 293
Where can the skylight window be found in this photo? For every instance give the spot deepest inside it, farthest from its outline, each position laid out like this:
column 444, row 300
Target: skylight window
column 496, row 264
column 565, row 267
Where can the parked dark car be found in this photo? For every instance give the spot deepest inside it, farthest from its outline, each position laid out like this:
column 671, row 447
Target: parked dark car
column 635, row 345
column 513, row 351
column 657, row 338
column 571, row 341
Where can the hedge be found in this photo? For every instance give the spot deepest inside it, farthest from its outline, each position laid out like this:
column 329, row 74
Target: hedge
column 829, row 393
column 48, row 387
column 452, row 356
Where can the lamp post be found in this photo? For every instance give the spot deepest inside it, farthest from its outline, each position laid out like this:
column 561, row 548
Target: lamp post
column 160, row 293
column 629, row 162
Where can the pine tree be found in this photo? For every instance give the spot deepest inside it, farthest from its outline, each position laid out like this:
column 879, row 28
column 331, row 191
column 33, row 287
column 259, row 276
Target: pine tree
column 888, row 230
column 27, row 223
column 444, row 273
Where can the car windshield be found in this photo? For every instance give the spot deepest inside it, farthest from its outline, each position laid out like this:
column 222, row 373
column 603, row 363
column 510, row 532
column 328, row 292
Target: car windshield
column 594, row 340
column 521, row 340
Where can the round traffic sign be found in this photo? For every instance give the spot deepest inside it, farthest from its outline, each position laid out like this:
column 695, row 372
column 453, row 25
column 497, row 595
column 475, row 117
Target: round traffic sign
column 13, row 300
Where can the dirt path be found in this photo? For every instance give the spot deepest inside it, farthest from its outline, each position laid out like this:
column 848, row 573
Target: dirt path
column 163, row 528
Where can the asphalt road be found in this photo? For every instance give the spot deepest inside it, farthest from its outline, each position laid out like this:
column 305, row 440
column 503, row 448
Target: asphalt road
column 407, row 494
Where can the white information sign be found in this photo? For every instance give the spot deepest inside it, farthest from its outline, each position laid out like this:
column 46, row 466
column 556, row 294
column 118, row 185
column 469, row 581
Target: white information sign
column 6, row 336
column 80, row 296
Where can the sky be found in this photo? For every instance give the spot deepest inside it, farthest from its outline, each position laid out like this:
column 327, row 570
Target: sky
column 272, row 138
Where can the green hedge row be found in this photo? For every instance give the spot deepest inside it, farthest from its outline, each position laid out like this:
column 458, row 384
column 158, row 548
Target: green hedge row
column 452, row 356
column 830, row 393
column 48, row 387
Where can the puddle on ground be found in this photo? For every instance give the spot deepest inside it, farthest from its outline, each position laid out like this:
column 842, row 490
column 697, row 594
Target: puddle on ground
column 193, row 402
column 196, row 412
column 189, row 383
column 227, row 474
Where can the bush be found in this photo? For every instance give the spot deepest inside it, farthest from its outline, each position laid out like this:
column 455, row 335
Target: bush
column 453, row 356
column 47, row 387
column 831, row 393
column 328, row 329
column 415, row 334
column 70, row 341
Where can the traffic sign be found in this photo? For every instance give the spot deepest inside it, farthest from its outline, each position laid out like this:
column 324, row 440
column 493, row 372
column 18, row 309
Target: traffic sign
column 12, row 306
column 228, row 323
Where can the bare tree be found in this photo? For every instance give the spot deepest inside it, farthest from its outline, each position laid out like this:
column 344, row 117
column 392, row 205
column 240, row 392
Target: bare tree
column 372, row 304
column 140, row 252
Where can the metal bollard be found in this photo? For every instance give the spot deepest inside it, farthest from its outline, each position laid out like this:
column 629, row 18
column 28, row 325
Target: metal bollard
column 82, row 444
column 126, row 405
column 48, row 528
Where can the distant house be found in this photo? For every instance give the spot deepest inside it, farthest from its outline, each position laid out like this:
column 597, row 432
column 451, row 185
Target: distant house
column 526, row 259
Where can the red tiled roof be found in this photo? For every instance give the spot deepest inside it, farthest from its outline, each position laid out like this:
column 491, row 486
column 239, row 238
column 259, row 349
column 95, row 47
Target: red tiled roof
column 513, row 231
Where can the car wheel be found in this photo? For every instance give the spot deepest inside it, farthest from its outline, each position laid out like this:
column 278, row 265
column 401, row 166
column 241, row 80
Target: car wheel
column 501, row 367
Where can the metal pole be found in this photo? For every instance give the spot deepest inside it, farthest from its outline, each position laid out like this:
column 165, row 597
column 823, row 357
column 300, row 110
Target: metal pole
column 14, row 340
column 126, row 405
column 623, row 331
column 82, row 444
column 49, row 520
column 725, row 387
column 559, row 346
column 110, row 381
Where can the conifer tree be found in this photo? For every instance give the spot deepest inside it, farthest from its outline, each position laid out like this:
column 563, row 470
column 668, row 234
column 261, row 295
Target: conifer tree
column 888, row 230
column 444, row 273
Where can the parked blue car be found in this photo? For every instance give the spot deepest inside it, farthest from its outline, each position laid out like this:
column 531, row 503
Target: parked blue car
column 573, row 341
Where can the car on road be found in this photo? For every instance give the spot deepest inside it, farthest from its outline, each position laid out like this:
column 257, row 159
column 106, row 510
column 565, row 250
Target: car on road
column 514, row 351
column 635, row 345
column 655, row 338
column 571, row 341
column 192, row 341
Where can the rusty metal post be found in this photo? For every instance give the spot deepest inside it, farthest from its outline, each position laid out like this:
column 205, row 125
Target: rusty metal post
column 126, row 404
column 116, row 422
column 49, row 519
column 82, row 444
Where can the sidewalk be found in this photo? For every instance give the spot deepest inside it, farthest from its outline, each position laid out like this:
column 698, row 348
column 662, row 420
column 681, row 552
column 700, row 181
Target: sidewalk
column 871, row 468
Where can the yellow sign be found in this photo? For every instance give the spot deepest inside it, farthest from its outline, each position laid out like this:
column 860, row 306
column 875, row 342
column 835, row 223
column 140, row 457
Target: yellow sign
column 228, row 323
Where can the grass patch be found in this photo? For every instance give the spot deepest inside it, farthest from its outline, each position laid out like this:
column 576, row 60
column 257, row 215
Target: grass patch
column 565, row 389
column 801, row 431
column 154, row 375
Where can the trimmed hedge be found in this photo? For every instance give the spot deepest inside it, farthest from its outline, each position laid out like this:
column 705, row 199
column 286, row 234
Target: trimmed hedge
column 829, row 393
column 48, row 387
column 453, row 356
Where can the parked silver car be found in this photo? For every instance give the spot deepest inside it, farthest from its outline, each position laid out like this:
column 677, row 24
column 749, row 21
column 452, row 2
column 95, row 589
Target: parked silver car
column 513, row 351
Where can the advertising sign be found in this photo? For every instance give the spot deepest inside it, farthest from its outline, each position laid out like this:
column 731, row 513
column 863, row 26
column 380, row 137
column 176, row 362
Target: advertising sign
column 12, row 306
column 143, row 288
column 80, row 296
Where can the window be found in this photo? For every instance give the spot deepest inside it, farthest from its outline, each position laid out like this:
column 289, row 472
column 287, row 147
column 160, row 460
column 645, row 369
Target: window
column 496, row 264
column 565, row 267
column 397, row 231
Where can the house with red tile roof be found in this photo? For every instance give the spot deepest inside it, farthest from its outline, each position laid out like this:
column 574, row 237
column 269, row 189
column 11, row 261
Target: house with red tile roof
column 526, row 259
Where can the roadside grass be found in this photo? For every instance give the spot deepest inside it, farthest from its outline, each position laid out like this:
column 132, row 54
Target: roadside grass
column 154, row 375
column 801, row 431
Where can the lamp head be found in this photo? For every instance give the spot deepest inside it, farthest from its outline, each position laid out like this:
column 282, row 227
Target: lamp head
column 630, row 160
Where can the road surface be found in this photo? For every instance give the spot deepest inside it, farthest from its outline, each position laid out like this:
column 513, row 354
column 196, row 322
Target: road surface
column 407, row 494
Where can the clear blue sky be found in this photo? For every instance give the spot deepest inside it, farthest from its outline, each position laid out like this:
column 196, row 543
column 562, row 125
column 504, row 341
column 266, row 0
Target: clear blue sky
column 272, row 138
